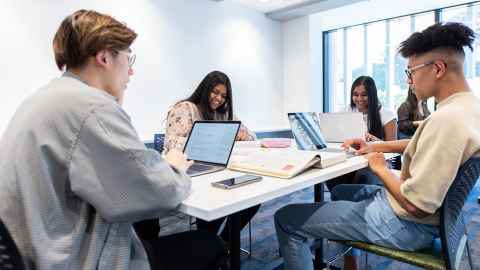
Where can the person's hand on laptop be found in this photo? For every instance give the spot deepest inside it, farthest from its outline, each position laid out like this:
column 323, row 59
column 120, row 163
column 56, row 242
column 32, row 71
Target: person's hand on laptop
column 242, row 135
column 359, row 145
column 178, row 160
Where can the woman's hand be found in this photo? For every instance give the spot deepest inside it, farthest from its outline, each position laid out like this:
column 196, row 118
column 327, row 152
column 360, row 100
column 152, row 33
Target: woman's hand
column 243, row 135
column 417, row 123
column 371, row 138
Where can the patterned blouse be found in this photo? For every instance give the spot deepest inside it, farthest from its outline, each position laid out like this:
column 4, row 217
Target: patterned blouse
column 180, row 121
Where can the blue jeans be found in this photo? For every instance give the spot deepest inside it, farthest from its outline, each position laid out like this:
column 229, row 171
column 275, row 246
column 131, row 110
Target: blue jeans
column 356, row 212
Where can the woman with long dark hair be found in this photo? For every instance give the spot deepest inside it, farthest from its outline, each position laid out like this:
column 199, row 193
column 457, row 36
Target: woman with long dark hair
column 212, row 100
column 380, row 121
column 411, row 114
column 381, row 125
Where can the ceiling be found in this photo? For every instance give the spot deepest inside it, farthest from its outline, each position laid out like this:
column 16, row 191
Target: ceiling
column 268, row 5
column 284, row 10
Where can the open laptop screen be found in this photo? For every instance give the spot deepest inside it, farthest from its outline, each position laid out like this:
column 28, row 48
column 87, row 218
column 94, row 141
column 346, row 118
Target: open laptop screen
column 211, row 141
column 340, row 126
column 306, row 131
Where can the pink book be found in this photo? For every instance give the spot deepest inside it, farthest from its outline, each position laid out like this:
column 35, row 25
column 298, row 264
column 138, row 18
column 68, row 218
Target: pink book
column 276, row 142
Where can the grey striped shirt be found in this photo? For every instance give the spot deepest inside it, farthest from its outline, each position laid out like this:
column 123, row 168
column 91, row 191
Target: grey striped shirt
column 74, row 176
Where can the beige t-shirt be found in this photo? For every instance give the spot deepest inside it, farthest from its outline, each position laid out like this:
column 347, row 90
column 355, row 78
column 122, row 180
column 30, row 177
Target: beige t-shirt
column 442, row 143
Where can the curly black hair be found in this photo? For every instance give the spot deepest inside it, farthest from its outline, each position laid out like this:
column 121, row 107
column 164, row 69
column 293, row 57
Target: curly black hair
column 452, row 36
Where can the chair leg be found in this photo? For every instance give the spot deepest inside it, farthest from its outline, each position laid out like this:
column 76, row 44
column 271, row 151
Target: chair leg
column 250, row 237
column 470, row 262
column 249, row 252
column 366, row 260
column 336, row 258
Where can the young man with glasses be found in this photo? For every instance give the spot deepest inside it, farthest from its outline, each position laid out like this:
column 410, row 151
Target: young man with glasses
column 74, row 175
column 403, row 213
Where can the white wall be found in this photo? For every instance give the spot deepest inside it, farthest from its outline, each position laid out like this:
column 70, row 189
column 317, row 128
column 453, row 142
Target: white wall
column 301, row 64
column 178, row 43
column 297, row 65
column 311, row 34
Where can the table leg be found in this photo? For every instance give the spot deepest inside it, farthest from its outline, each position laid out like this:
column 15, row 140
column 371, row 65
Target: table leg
column 318, row 190
column 234, row 225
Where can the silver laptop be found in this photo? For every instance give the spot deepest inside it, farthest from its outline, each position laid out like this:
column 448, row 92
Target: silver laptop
column 340, row 126
column 210, row 145
column 307, row 133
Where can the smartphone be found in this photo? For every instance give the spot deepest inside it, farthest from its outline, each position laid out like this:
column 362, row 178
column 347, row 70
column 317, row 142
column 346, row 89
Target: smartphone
column 237, row 181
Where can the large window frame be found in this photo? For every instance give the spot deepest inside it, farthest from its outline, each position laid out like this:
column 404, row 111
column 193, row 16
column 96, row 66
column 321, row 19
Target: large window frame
column 331, row 68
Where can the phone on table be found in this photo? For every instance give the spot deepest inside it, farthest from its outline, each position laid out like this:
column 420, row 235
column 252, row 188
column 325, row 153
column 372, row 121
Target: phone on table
column 237, row 181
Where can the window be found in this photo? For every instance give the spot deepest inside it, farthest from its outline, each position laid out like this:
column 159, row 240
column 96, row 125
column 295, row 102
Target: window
column 376, row 58
column 470, row 16
column 337, row 70
column 399, row 30
column 371, row 49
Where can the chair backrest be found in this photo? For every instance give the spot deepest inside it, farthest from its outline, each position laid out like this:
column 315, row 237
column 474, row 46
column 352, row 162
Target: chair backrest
column 9, row 255
column 158, row 142
column 452, row 227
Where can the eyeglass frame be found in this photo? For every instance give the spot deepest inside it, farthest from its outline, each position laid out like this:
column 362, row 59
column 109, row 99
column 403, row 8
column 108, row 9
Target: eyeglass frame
column 409, row 71
column 130, row 56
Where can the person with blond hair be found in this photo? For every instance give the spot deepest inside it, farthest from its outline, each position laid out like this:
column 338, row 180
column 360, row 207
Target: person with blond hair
column 74, row 174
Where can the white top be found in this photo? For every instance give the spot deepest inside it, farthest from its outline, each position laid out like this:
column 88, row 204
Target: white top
column 385, row 115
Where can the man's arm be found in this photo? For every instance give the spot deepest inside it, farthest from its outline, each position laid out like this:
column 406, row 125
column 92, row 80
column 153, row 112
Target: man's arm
column 397, row 146
column 361, row 147
column 111, row 169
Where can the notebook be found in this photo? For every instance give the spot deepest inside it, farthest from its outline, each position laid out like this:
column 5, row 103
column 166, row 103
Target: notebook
column 306, row 131
column 338, row 127
column 210, row 145
column 283, row 162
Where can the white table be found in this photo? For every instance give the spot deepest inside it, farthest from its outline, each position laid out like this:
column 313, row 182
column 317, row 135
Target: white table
column 208, row 203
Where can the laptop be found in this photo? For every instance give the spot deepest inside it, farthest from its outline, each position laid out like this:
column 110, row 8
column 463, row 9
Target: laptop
column 338, row 127
column 307, row 133
column 210, row 145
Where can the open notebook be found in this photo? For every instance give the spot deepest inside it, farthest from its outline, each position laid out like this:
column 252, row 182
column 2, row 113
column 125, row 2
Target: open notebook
column 283, row 163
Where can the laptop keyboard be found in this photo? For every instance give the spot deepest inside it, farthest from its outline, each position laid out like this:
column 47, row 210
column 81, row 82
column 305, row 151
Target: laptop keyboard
column 196, row 167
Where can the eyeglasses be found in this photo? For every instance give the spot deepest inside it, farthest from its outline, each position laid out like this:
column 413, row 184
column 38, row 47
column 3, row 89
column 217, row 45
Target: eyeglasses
column 409, row 71
column 131, row 57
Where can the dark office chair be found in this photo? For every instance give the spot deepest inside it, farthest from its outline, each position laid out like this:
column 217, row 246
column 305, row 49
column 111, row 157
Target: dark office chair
column 158, row 142
column 453, row 234
column 10, row 257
